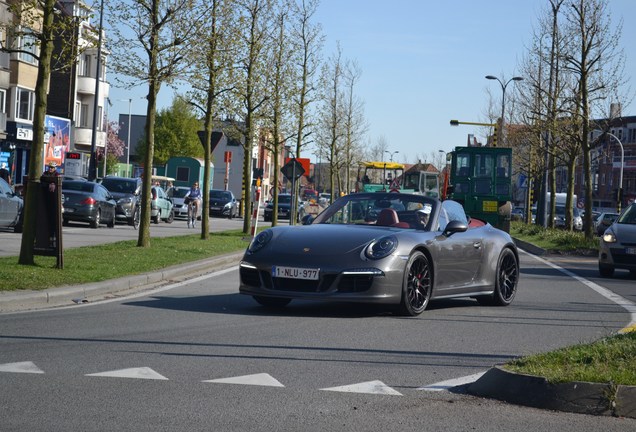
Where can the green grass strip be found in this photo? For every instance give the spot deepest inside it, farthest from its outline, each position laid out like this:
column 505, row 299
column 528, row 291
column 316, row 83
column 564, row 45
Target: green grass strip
column 608, row 360
column 109, row 261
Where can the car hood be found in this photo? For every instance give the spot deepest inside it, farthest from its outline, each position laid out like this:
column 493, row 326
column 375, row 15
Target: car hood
column 626, row 233
column 218, row 202
column 322, row 239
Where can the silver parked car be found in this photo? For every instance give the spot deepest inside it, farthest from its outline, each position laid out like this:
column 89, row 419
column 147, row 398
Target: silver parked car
column 617, row 248
column 384, row 248
column 177, row 195
column 10, row 208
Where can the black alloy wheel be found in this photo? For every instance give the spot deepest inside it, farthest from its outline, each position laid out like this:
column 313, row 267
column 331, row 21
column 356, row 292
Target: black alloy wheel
column 417, row 286
column 136, row 217
column 98, row 219
column 506, row 283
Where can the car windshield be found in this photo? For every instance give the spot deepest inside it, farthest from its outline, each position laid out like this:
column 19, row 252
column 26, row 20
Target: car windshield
column 120, row 186
column 628, row 216
column 220, row 195
column 284, row 199
column 400, row 210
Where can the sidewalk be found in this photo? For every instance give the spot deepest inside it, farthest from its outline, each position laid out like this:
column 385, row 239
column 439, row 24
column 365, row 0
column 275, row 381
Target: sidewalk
column 68, row 295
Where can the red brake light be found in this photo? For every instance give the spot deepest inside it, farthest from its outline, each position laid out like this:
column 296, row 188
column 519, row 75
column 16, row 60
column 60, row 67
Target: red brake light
column 89, row 201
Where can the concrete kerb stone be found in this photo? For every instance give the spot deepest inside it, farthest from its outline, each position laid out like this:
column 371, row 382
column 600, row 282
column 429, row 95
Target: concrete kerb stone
column 578, row 397
column 68, row 295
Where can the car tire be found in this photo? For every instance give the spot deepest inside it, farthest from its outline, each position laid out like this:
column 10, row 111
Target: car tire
column 417, row 285
column 606, row 271
column 111, row 223
column 158, row 217
column 507, row 278
column 170, row 217
column 98, row 219
column 136, row 218
column 64, row 222
column 272, row 302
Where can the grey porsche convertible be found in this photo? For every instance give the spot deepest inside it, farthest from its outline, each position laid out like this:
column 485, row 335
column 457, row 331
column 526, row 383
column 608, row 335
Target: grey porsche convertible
column 384, row 248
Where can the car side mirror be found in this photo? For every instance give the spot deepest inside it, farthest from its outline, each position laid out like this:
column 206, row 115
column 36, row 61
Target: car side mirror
column 455, row 226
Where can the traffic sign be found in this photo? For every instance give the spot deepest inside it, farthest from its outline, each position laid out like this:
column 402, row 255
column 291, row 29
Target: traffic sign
column 293, row 169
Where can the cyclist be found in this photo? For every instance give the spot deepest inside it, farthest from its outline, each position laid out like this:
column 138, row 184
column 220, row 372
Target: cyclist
column 193, row 198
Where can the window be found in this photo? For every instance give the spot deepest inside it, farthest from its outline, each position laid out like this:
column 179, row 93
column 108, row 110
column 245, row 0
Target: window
column 84, row 115
column 28, row 43
column 483, row 165
column 24, row 104
column 631, row 135
column 3, row 100
column 183, row 173
column 85, row 65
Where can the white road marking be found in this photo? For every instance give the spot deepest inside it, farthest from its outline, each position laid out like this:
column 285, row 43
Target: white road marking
column 21, row 367
column 261, row 379
column 371, row 387
column 611, row 296
column 139, row 373
column 445, row 385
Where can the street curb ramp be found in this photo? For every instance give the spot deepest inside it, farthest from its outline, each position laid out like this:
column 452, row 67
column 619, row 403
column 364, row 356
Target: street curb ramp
column 74, row 294
column 601, row 399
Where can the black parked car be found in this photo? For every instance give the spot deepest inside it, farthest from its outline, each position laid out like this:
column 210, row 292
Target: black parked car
column 86, row 201
column 284, row 208
column 223, row 203
column 126, row 192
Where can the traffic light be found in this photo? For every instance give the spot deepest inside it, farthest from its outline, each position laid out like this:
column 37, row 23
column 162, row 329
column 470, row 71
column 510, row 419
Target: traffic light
column 494, row 136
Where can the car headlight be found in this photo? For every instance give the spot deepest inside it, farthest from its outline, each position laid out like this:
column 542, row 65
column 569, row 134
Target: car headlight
column 227, row 206
column 259, row 241
column 125, row 200
column 609, row 237
column 381, row 248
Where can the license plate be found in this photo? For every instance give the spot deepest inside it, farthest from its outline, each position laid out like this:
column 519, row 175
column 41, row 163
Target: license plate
column 295, row 273
column 490, row 206
column 216, row 208
column 68, row 210
column 630, row 251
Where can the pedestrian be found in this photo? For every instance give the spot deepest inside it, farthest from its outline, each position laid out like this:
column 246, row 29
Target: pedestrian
column 4, row 173
column 49, row 178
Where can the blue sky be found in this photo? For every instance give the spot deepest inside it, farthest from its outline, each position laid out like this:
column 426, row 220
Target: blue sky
column 423, row 63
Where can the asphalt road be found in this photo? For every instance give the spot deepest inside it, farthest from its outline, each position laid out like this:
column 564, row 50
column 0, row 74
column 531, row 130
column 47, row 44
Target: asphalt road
column 198, row 356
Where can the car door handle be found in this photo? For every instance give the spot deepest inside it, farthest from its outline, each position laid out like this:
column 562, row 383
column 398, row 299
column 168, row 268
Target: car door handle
column 477, row 244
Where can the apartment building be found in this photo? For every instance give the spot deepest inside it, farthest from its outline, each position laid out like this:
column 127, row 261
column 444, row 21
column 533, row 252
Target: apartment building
column 71, row 98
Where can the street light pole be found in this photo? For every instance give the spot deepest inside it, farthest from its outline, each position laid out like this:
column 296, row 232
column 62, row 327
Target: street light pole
column 503, row 99
column 92, row 166
column 391, row 154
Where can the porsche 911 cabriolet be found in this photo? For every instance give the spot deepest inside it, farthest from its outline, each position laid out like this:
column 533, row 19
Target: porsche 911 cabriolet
column 384, row 248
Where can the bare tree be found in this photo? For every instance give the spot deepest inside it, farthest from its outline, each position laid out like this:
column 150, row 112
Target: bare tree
column 150, row 43
column 36, row 27
column 307, row 41
column 211, row 79
column 596, row 63
column 354, row 125
column 250, row 92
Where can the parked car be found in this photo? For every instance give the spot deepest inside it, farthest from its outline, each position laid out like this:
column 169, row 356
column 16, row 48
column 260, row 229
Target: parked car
column 86, row 201
column 617, row 249
column 559, row 218
column 284, row 208
column 11, row 206
column 223, row 203
column 363, row 249
column 177, row 194
column 518, row 214
column 603, row 222
column 126, row 192
column 160, row 206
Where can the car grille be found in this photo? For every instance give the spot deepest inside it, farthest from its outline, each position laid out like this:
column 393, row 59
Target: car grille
column 250, row 277
column 620, row 257
column 355, row 283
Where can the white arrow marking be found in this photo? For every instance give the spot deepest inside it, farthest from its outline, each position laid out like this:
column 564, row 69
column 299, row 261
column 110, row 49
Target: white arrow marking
column 373, row 387
column 261, row 379
column 445, row 385
column 21, row 367
column 140, row 373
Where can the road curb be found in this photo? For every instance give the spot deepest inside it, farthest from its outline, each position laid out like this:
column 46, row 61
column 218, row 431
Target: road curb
column 601, row 399
column 67, row 295
column 529, row 247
